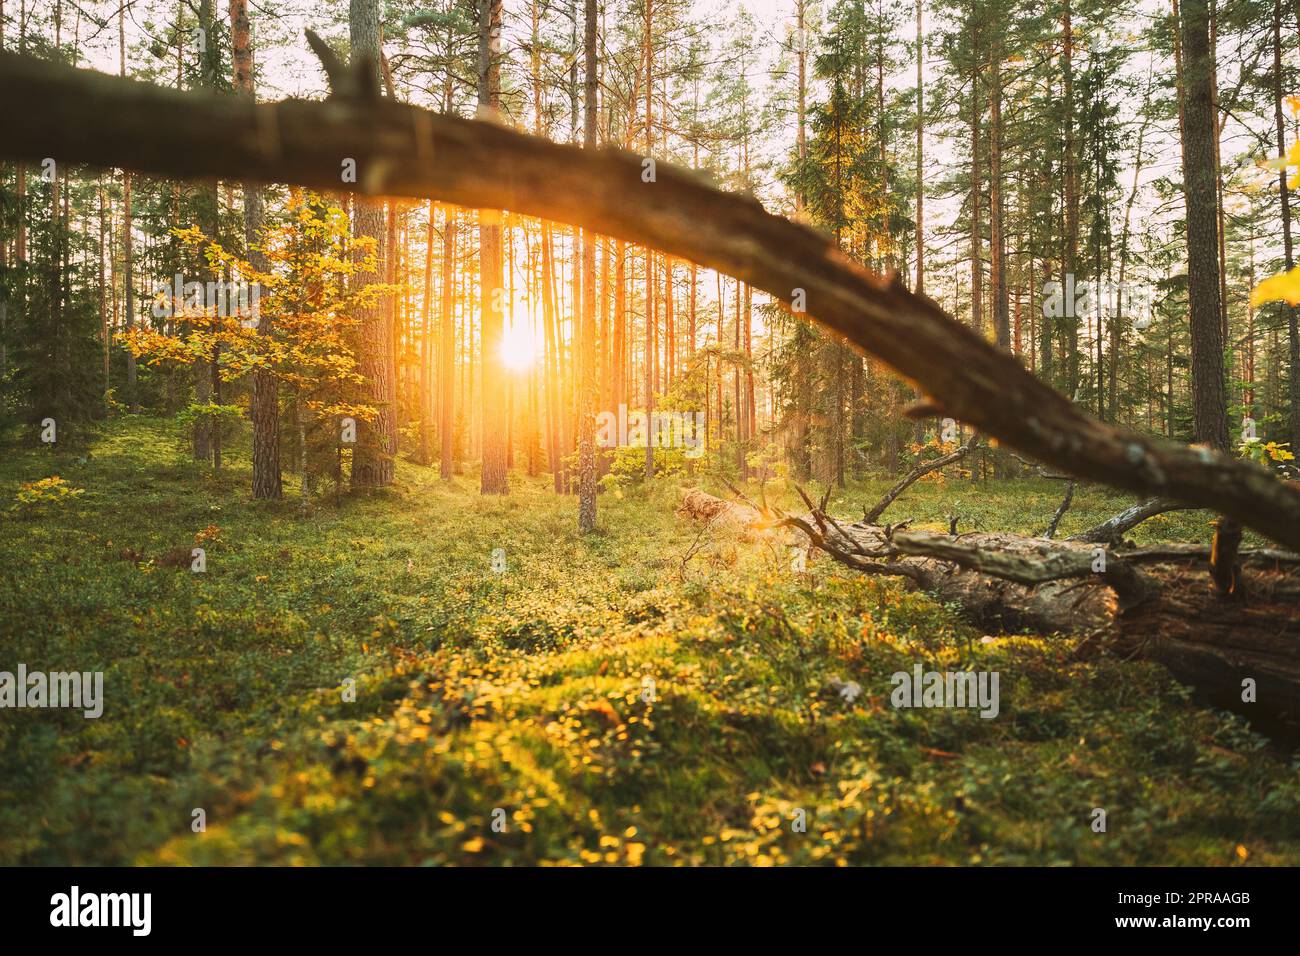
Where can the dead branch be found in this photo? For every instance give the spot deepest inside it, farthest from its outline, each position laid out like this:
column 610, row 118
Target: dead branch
column 1154, row 603
column 1060, row 512
column 1046, row 608
column 920, row 471
column 79, row 116
column 849, row 558
column 1112, row 530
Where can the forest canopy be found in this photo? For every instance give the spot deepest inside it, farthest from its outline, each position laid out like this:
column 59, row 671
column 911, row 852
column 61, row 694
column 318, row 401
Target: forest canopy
column 485, row 392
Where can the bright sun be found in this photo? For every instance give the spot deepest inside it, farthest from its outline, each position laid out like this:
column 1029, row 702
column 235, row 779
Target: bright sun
column 518, row 350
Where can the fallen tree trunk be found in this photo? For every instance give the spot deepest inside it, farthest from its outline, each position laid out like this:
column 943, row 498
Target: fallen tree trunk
column 81, row 116
column 1158, row 604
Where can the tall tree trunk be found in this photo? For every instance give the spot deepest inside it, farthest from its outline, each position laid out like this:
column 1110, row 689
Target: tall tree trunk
column 918, row 428
column 1117, row 325
column 587, row 331
column 1046, row 366
column 376, row 448
column 976, row 175
column 206, row 437
column 493, row 480
column 447, row 347
column 649, row 253
column 751, row 414
column 128, row 288
column 1293, row 332
column 997, row 238
column 550, row 332
column 105, row 331
column 801, row 136
column 1070, row 251
column 1221, row 233
column 920, row 146
column 1209, row 399
column 267, row 482
column 1248, row 392
column 426, row 394
column 392, row 263
column 737, row 402
column 620, row 325
column 603, row 332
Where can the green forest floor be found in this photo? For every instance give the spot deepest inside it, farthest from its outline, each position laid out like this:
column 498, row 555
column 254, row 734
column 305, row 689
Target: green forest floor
column 526, row 691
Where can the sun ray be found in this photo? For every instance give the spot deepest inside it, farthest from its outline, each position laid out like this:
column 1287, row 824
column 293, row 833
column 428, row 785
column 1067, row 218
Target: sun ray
column 518, row 348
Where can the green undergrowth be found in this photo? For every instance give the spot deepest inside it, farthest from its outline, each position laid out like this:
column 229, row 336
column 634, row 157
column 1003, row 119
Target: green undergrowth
column 648, row 694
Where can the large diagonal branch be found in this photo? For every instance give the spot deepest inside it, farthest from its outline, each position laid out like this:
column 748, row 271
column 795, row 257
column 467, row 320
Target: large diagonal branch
column 85, row 117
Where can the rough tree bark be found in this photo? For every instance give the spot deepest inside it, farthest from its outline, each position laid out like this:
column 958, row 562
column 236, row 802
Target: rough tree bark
column 493, row 478
column 1209, row 399
column 1292, row 318
column 587, row 331
column 206, row 438
column 649, row 253
column 997, row 235
column 1204, row 258
column 1069, row 324
column 266, row 400
column 128, row 258
column 427, row 403
column 920, row 140
column 446, row 352
column 376, row 449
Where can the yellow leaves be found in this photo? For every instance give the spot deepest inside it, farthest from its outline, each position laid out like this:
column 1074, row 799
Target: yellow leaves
column 1293, row 160
column 189, row 236
column 473, row 846
column 32, row 494
column 1284, row 287
column 1242, row 853
column 306, row 290
column 1278, row 452
column 211, row 533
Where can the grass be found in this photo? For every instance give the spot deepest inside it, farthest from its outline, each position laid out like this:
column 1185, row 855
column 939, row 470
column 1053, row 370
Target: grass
column 632, row 697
